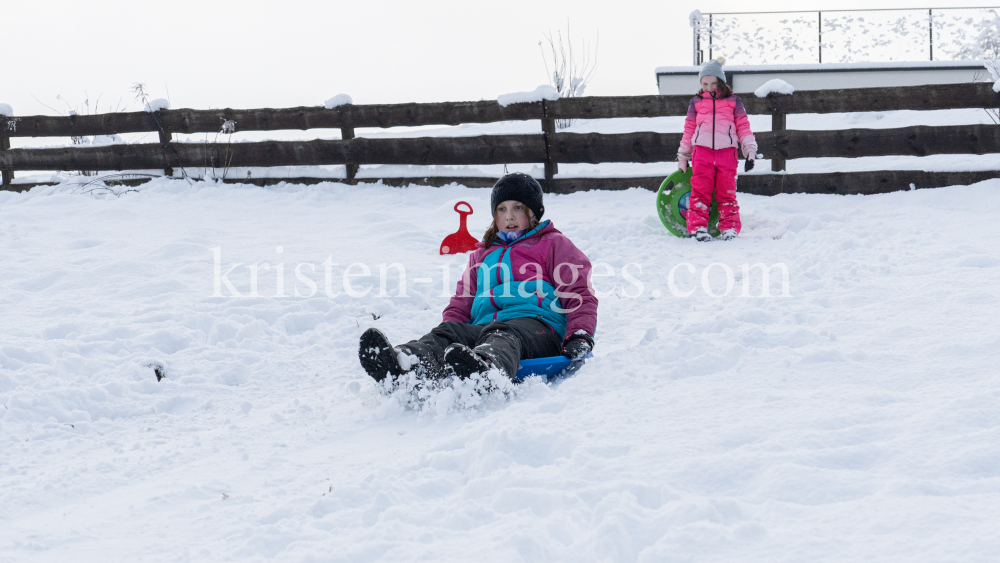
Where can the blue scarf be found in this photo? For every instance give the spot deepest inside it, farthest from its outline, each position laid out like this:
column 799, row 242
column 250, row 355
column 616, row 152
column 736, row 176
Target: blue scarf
column 510, row 236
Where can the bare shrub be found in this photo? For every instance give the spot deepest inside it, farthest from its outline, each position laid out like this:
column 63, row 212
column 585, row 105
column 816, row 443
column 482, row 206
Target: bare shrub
column 568, row 75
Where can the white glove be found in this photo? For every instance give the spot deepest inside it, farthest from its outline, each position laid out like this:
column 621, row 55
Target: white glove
column 682, row 165
column 751, row 153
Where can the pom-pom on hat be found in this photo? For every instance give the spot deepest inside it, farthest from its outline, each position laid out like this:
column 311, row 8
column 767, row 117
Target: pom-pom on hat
column 518, row 187
column 713, row 68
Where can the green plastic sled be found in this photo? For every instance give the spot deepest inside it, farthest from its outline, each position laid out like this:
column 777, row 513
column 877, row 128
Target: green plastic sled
column 668, row 201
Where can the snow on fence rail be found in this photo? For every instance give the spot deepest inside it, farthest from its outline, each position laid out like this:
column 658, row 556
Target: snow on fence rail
column 546, row 147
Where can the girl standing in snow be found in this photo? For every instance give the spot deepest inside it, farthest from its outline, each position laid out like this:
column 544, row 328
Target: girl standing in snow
column 524, row 294
column 716, row 125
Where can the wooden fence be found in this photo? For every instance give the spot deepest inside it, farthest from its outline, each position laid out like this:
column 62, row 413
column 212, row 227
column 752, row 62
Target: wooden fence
column 548, row 146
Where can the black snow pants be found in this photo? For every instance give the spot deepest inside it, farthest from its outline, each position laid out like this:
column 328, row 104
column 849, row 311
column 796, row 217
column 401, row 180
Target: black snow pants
column 505, row 342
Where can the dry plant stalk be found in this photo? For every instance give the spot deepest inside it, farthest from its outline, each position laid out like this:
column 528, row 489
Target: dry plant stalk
column 568, row 76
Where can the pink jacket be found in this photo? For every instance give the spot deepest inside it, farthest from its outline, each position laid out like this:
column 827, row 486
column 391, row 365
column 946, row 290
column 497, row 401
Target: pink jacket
column 716, row 124
column 542, row 274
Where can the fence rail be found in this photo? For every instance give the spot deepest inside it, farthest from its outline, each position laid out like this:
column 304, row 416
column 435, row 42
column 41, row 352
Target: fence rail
column 570, row 148
column 188, row 121
column 547, row 146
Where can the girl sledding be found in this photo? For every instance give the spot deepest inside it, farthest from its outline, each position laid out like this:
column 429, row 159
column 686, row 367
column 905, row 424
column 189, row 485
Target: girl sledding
column 525, row 294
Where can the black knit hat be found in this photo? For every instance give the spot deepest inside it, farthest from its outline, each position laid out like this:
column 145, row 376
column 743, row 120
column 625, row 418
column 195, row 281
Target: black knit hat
column 518, row 187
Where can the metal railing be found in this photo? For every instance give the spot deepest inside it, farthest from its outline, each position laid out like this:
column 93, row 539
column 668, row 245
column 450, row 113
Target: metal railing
column 845, row 36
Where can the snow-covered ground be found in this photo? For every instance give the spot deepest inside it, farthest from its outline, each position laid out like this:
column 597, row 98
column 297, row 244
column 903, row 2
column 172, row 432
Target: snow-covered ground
column 855, row 419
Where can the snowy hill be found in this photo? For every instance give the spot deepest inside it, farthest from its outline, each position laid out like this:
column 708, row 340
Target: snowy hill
column 854, row 419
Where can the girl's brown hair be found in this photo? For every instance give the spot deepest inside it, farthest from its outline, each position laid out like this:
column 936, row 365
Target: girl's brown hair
column 724, row 90
column 490, row 236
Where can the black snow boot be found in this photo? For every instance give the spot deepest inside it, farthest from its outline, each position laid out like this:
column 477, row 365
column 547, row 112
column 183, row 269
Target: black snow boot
column 417, row 358
column 377, row 356
column 464, row 361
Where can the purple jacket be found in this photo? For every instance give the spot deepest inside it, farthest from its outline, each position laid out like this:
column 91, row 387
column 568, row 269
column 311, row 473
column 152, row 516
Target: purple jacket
column 541, row 274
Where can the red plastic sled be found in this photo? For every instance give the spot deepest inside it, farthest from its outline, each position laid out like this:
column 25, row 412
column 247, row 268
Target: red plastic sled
column 459, row 241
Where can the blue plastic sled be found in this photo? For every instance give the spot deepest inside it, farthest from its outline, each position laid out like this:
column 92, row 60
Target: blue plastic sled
column 550, row 369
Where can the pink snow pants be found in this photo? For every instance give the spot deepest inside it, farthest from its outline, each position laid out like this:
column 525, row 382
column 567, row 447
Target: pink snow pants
column 713, row 171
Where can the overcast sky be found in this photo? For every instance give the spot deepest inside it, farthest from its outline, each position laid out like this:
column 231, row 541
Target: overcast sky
column 251, row 53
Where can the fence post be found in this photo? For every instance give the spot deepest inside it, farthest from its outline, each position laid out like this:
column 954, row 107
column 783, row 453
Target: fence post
column 777, row 124
column 710, row 37
column 819, row 19
column 8, row 175
column 549, row 128
column 699, row 56
column 347, row 133
column 930, row 28
column 694, row 44
column 165, row 138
